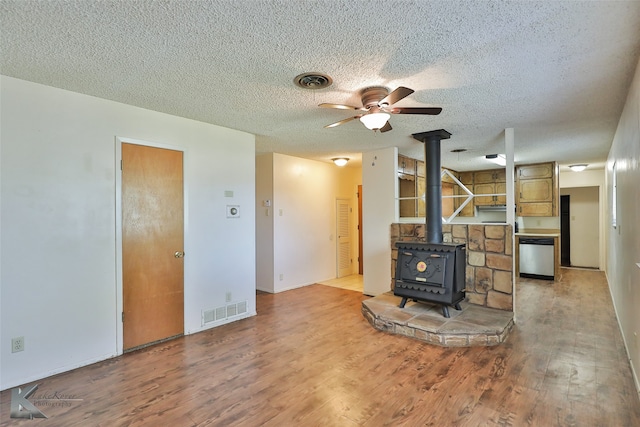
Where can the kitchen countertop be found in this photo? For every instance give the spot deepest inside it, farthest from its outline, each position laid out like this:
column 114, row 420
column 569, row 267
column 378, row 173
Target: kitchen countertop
column 539, row 232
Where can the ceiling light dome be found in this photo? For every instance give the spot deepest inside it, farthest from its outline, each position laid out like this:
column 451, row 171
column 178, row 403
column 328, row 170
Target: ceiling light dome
column 375, row 121
column 578, row 168
column 340, row 161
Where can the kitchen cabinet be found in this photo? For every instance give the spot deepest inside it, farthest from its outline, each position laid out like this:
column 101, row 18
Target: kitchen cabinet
column 490, row 182
column 465, row 178
column 537, row 189
column 489, row 176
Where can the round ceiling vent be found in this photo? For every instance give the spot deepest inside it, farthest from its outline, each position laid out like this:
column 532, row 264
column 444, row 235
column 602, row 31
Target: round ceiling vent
column 313, row 81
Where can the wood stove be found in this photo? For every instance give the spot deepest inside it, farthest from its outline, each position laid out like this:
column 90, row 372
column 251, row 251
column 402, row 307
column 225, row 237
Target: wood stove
column 433, row 271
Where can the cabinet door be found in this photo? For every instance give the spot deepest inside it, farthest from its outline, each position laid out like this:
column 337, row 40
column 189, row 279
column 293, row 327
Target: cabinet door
column 447, row 202
column 466, row 178
column 500, row 175
column 536, row 190
column 541, row 170
column 484, row 177
column 480, row 189
column 501, row 187
column 421, row 169
column 447, row 178
column 468, row 209
column 535, row 209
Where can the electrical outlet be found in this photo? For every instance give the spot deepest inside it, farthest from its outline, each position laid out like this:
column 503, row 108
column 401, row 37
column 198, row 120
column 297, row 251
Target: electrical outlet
column 17, row 344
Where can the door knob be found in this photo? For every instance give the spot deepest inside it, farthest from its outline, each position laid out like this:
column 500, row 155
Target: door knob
column 178, row 254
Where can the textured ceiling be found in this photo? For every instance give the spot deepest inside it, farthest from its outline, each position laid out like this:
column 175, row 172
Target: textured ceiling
column 556, row 71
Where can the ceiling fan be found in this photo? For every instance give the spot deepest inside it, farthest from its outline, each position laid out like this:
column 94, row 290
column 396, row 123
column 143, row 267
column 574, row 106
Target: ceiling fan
column 377, row 108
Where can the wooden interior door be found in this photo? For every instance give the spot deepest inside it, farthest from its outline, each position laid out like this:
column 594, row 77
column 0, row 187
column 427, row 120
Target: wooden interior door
column 152, row 244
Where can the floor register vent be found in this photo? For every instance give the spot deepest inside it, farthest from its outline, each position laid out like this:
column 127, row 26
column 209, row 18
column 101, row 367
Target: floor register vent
column 224, row 312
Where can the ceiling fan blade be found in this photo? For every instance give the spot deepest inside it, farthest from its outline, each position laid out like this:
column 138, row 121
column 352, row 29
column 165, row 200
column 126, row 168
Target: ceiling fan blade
column 340, row 106
column 332, row 125
column 386, row 128
column 396, row 95
column 434, row 111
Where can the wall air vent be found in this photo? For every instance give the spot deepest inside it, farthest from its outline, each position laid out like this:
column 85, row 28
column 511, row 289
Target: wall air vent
column 224, row 312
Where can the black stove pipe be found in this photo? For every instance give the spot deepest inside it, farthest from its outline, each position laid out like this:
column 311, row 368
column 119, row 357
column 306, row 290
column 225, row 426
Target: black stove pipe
column 432, row 157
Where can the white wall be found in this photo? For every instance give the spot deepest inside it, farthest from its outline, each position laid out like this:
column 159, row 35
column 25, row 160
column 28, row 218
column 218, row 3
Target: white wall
column 303, row 220
column 623, row 242
column 584, row 221
column 589, row 178
column 379, row 211
column 58, row 261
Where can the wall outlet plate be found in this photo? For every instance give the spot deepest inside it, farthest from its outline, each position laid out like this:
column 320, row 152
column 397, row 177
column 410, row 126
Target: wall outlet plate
column 17, row 344
column 233, row 211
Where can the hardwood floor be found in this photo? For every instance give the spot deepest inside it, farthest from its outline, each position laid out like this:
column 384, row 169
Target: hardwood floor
column 310, row 359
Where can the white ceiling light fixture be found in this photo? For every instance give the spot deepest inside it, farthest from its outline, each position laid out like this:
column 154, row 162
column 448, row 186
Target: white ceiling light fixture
column 499, row 159
column 375, row 121
column 578, row 168
column 340, row 161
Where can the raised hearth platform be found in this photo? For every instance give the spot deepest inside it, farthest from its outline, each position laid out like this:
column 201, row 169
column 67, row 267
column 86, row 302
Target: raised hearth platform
column 474, row 325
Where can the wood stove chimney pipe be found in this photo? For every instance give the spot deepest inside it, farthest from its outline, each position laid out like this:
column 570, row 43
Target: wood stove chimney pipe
column 432, row 156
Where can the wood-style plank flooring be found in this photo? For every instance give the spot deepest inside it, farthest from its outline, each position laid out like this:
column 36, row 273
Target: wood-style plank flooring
column 310, row 359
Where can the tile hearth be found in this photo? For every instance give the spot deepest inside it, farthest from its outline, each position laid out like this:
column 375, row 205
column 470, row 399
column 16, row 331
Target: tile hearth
column 472, row 326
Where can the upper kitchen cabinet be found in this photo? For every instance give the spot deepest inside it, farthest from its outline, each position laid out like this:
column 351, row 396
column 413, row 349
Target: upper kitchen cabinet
column 537, row 189
column 492, row 182
column 466, row 178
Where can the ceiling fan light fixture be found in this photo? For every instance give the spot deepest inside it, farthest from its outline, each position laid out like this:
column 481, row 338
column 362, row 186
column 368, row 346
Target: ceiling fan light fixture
column 578, row 168
column 375, row 121
column 340, row 161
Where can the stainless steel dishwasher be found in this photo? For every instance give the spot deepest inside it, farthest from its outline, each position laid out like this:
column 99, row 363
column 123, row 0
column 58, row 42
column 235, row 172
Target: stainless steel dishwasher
column 537, row 257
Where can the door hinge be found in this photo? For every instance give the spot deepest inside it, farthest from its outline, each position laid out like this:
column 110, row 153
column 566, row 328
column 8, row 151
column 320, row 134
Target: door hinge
column 121, row 165
column 123, row 317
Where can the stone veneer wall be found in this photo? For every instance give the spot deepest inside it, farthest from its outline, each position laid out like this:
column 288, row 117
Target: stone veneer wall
column 489, row 275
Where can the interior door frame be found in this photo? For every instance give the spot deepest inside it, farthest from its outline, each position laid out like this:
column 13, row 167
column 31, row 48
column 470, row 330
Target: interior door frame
column 118, row 224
